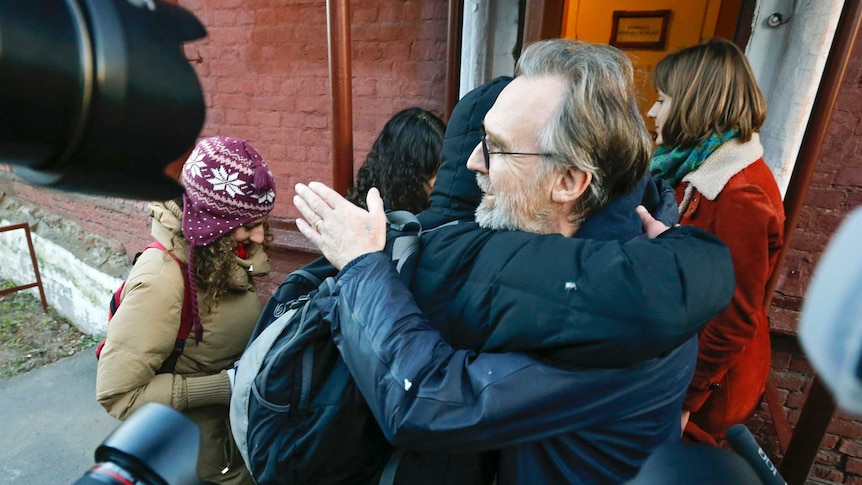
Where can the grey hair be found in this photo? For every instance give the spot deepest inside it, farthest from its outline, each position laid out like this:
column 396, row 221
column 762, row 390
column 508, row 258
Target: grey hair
column 597, row 128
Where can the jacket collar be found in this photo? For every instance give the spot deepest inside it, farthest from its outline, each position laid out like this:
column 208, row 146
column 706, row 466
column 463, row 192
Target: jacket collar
column 618, row 220
column 166, row 222
column 728, row 160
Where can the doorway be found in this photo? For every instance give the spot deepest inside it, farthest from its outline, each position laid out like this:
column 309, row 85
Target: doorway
column 649, row 30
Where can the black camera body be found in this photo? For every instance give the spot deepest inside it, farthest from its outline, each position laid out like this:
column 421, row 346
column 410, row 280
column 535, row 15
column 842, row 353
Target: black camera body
column 97, row 95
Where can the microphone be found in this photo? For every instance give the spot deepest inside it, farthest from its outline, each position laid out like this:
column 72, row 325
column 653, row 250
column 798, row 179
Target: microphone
column 744, row 444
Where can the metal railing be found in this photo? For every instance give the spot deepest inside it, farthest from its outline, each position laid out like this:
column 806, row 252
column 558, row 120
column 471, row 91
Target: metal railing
column 38, row 283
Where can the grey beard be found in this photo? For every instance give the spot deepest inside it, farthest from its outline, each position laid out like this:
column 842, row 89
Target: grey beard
column 492, row 218
column 510, row 212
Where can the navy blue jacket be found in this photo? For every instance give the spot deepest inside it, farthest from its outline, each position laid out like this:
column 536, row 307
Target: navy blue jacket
column 555, row 424
column 570, row 301
column 431, row 392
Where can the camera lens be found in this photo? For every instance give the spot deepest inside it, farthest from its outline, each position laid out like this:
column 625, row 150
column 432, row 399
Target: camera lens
column 46, row 74
column 112, row 474
column 97, row 95
column 156, row 446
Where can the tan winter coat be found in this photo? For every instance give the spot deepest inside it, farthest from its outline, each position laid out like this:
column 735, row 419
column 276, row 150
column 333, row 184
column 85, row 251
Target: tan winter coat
column 142, row 333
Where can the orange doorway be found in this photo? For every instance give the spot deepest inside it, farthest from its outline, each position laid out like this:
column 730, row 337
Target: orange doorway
column 648, row 30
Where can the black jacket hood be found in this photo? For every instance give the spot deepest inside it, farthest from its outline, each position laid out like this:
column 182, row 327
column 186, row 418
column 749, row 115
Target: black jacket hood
column 456, row 195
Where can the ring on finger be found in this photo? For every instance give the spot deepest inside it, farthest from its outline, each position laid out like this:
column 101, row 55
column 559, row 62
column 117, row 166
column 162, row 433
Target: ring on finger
column 317, row 225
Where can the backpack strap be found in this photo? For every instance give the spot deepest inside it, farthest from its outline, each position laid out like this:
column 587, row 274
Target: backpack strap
column 388, row 475
column 404, row 221
column 315, row 281
column 115, row 300
column 405, row 242
column 185, row 315
column 403, row 247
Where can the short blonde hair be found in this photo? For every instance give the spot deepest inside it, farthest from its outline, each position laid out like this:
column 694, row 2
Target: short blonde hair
column 712, row 90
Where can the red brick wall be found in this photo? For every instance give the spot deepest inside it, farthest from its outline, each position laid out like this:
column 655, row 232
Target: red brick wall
column 124, row 221
column 835, row 190
column 840, row 456
column 265, row 77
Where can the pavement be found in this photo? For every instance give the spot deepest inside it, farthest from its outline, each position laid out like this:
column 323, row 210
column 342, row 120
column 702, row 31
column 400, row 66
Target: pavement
column 50, row 423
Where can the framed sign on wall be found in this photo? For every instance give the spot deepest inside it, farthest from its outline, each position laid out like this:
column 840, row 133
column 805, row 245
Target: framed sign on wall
column 640, row 29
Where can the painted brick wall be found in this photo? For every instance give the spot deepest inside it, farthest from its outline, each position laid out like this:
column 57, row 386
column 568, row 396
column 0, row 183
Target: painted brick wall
column 840, row 454
column 265, row 76
column 123, row 222
column 835, row 190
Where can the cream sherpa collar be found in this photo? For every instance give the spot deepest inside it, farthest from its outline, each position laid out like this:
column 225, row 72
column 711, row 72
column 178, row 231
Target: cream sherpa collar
column 728, row 160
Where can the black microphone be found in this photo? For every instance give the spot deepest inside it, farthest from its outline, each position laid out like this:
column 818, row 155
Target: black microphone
column 744, row 444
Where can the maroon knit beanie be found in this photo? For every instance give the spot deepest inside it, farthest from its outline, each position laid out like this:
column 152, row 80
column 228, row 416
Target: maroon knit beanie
column 228, row 185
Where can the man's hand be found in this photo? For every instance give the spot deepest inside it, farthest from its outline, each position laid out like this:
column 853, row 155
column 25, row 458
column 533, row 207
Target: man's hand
column 341, row 231
column 684, row 419
column 652, row 227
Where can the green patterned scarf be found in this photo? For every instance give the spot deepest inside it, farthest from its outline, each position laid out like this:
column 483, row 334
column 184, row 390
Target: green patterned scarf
column 672, row 165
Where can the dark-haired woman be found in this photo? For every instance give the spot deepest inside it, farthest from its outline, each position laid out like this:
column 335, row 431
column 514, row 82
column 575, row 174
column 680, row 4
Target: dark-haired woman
column 403, row 161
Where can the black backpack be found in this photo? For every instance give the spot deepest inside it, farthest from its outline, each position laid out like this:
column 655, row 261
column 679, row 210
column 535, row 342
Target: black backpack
column 295, row 413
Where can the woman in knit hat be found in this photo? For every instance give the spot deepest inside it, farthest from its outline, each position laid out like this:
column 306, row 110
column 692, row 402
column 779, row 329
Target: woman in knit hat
column 212, row 243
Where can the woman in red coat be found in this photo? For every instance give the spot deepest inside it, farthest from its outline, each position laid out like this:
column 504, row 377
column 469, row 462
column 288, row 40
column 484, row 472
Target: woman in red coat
column 707, row 116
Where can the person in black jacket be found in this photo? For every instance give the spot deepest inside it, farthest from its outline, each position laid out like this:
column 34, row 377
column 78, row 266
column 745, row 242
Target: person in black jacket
column 555, row 304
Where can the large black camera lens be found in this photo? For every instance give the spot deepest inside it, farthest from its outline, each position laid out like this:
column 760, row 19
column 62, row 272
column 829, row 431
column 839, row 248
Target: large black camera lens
column 96, row 95
column 155, row 446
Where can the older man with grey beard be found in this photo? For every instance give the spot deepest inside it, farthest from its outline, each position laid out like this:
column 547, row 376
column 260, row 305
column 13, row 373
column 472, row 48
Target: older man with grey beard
column 498, row 361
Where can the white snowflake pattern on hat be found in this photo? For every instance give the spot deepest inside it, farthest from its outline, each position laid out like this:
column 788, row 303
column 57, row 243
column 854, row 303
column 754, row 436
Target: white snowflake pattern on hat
column 266, row 197
column 228, row 182
column 221, row 178
column 196, row 162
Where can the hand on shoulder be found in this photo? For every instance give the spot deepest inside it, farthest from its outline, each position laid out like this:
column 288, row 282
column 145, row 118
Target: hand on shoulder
column 652, row 228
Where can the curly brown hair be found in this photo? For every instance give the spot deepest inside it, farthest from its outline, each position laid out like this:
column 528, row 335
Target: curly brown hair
column 214, row 264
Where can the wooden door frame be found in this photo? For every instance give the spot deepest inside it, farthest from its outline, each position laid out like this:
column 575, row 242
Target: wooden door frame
column 734, row 21
column 543, row 19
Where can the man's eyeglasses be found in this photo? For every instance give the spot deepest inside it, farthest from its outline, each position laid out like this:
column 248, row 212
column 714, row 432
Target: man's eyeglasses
column 487, row 153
